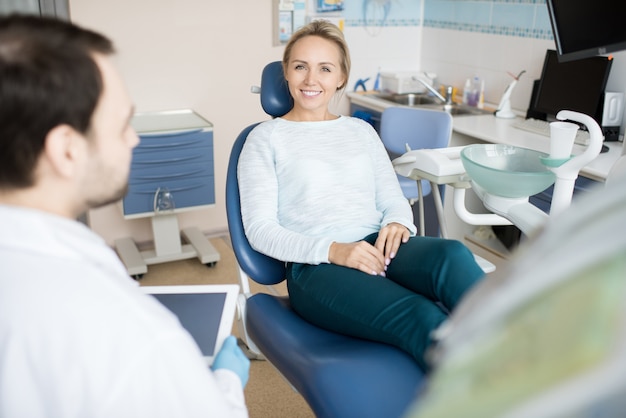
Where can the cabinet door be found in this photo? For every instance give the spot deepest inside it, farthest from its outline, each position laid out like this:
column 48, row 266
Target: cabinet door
column 177, row 167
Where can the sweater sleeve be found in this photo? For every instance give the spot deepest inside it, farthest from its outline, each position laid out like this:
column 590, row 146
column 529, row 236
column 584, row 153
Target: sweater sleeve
column 389, row 197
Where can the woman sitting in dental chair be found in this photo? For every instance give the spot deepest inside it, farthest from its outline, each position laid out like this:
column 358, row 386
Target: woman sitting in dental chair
column 318, row 191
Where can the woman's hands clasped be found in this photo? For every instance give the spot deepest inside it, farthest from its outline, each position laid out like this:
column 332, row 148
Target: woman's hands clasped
column 371, row 259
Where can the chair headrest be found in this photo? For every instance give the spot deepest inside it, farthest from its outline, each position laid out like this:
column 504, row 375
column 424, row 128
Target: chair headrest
column 275, row 97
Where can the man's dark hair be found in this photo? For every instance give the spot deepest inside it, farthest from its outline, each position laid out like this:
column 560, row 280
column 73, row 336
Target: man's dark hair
column 48, row 77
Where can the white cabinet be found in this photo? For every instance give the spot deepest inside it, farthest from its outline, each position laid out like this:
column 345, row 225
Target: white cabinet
column 172, row 171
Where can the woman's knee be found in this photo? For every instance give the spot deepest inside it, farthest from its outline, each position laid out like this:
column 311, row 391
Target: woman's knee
column 456, row 250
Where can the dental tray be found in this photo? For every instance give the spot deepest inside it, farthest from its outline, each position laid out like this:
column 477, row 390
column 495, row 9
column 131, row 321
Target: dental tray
column 438, row 162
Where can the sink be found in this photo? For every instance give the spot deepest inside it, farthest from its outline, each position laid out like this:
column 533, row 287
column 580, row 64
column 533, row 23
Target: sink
column 408, row 99
column 506, row 170
column 427, row 101
column 457, row 109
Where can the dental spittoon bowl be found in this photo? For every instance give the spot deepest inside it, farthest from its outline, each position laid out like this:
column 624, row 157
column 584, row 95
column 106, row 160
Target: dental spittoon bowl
column 507, row 171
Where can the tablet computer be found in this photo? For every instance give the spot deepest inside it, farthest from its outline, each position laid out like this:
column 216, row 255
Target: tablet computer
column 205, row 311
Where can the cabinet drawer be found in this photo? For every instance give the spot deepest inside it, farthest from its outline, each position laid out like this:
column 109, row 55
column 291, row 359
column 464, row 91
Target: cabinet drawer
column 156, row 150
column 173, row 141
column 187, row 192
column 163, row 172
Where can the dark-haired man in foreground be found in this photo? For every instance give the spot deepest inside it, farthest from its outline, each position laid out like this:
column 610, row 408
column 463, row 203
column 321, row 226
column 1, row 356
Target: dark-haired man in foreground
column 77, row 336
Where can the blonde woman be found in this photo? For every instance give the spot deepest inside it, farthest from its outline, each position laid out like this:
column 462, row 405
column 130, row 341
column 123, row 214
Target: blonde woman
column 318, row 191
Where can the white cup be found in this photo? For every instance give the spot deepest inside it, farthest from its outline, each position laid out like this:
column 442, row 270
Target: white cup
column 562, row 136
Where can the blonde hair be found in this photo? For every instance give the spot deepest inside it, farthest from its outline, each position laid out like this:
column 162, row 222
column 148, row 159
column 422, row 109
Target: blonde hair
column 325, row 30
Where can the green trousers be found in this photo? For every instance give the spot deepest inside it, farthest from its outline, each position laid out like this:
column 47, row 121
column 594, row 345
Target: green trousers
column 425, row 280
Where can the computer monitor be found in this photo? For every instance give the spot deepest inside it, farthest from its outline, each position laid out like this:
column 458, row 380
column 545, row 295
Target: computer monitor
column 586, row 28
column 576, row 85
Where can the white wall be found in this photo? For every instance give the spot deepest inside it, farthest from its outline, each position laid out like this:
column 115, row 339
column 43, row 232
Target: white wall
column 457, row 55
column 382, row 49
column 195, row 54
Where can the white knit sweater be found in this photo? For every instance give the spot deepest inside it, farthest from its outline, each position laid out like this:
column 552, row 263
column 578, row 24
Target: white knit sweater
column 304, row 185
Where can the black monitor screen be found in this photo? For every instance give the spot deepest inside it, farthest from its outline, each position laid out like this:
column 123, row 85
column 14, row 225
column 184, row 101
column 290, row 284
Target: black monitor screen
column 585, row 28
column 576, row 85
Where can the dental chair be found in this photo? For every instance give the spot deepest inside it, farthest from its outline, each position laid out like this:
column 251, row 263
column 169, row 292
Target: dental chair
column 338, row 376
column 405, row 128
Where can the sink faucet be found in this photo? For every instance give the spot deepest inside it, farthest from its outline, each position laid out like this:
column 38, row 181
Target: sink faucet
column 447, row 101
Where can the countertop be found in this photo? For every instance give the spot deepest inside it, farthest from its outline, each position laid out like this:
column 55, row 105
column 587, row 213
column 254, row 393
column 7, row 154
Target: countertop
column 368, row 100
column 488, row 128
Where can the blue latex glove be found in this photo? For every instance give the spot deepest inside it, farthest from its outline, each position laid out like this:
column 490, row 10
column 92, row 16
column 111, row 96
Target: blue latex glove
column 231, row 357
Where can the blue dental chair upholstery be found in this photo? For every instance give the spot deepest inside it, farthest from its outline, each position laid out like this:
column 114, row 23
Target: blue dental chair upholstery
column 338, row 376
column 419, row 129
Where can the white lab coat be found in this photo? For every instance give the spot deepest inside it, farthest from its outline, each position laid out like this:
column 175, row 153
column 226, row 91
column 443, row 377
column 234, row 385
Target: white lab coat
column 79, row 339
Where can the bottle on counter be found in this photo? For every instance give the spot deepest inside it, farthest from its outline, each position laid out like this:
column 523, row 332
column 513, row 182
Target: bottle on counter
column 466, row 91
column 472, row 91
column 481, row 95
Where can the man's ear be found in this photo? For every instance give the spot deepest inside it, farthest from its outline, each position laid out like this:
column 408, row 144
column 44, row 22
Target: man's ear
column 63, row 149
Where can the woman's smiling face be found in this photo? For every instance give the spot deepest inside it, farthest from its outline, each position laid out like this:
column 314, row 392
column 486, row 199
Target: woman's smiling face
column 314, row 75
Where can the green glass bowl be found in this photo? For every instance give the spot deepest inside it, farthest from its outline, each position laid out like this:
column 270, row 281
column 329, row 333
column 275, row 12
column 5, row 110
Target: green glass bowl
column 507, row 171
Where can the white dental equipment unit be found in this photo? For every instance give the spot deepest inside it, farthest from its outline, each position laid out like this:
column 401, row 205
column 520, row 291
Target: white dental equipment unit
column 540, row 337
column 493, row 170
column 504, row 108
column 545, row 335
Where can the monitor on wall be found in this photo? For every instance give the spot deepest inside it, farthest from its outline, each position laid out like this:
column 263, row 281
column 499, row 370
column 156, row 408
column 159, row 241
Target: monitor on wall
column 576, row 85
column 586, row 28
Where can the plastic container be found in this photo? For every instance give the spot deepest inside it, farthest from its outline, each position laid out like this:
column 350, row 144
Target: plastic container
column 472, row 91
column 403, row 82
column 466, row 91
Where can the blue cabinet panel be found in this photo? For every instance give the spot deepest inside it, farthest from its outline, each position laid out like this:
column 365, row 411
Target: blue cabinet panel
column 184, row 193
column 543, row 200
column 177, row 162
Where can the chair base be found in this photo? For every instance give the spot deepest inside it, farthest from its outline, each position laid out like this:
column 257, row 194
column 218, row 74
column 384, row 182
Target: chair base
column 338, row 376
